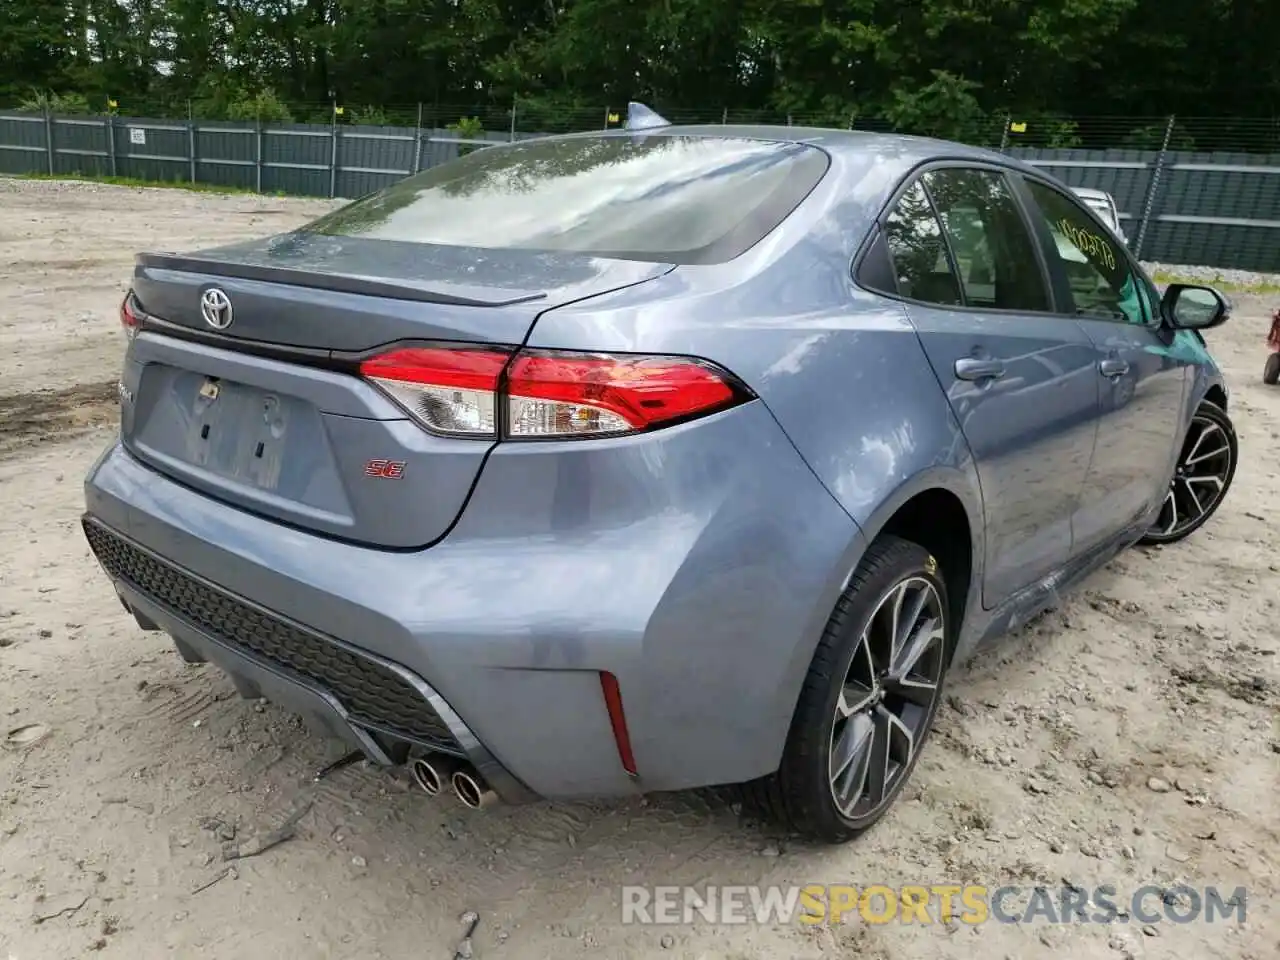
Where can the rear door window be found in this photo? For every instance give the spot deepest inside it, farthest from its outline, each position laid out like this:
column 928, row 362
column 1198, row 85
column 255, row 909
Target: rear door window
column 668, row 198
column 994, row 253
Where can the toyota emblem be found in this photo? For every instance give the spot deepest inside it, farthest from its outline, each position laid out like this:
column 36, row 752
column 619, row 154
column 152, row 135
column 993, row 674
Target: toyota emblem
column 215, row 307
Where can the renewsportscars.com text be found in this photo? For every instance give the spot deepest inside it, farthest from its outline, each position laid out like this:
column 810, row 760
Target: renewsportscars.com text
column 935, row 903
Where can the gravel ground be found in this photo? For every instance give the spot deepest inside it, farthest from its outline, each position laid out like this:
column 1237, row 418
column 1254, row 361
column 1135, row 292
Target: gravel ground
column 1129, row 737
column 1193, row 274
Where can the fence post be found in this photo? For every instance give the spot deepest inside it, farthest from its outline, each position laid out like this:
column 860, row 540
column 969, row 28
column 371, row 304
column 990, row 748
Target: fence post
column 1004, row 134
column 1152, row 187
column 333, row 153
column 417, row 141
column 191, row 140
column 515, row 99
column 109, row 125
column 48, row 137
column 724, row 117
column 257, row 154
column 606, row 118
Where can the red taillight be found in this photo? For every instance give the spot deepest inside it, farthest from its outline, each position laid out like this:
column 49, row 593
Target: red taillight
column 450, row 391
column 560, row 395
column 129, row 319
column 547, row 394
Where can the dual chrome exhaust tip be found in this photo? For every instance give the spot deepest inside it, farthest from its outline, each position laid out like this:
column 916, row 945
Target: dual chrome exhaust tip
column 436, row 772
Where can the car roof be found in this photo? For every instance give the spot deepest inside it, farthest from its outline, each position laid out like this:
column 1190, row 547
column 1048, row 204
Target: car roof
column 900, row 148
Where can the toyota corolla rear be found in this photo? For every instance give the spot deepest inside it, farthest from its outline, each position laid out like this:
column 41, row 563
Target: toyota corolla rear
column 343, row 478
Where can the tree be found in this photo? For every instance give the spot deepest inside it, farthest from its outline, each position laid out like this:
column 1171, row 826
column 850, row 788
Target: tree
column 949, row 67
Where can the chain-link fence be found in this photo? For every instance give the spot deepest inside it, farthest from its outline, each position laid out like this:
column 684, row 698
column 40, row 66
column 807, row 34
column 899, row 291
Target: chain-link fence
column 1200, row 191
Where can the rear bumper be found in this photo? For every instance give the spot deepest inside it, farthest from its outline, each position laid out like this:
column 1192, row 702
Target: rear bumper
column 372, row 705
column 697, row 565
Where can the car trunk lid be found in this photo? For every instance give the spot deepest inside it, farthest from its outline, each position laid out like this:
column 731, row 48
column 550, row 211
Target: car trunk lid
column 268, row 413
column 351, row 294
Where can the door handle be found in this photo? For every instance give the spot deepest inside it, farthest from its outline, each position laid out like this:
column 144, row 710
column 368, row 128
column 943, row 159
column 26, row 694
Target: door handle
column 1113, row 367
column 970, row 368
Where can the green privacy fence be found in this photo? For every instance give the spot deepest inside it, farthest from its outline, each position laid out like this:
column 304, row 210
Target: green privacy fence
column 1214, row 209
column 1210, row 209
column 305, row 159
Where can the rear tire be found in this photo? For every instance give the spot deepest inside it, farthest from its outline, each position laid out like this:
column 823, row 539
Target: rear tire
column 1271, row 372
column 869, row 699
column 1206, row 466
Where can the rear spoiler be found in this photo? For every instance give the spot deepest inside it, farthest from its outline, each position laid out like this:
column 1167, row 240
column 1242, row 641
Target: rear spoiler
column 336, row 282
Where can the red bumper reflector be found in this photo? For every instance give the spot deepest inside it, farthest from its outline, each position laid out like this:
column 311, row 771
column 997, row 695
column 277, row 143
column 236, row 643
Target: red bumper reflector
column 618, row 720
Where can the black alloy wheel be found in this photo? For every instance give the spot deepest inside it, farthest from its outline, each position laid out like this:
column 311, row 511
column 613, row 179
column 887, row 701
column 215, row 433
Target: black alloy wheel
column 1205, row 469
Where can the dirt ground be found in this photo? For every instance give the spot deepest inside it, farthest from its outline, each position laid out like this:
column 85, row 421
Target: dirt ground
column 1130, row 737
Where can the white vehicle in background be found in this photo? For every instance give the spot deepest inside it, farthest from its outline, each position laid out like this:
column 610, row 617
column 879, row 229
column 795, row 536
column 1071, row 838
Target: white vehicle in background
column 1104, row 205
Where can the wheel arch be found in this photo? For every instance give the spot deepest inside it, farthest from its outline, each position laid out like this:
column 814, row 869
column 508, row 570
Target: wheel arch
column 1216, row 395
column 936, row 520
column 1207, row 384
column 1214, row 409
column 940, row 509
column 951, row 492
column 933, row 506
column 938, row 512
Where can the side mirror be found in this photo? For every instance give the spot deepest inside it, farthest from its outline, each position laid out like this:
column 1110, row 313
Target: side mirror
column 1189, row 306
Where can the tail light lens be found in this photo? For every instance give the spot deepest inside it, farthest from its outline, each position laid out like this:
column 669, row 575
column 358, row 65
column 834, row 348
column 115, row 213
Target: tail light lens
column 547, row 394
column 450, row 391
column 129, row 319
column 559, row 395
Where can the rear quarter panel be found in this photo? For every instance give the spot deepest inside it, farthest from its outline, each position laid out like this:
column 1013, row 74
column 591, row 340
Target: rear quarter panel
column 842, row 370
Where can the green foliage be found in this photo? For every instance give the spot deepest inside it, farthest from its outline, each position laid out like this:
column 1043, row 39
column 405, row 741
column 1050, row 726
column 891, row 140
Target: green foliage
column 1059, row 134
column 944, row 107
column 370, row 116
column 220, row 98
column 45, row 101
column 35, row 48
column 948, row 67
column 263, row 105
column 467, row 128
column 1150, row 137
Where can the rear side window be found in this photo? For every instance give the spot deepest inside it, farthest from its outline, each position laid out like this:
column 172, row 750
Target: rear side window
column 674, row 199
column 994, row 253
column 919, row 254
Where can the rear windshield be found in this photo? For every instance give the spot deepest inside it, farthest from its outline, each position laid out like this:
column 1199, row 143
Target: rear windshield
column 675, row 199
